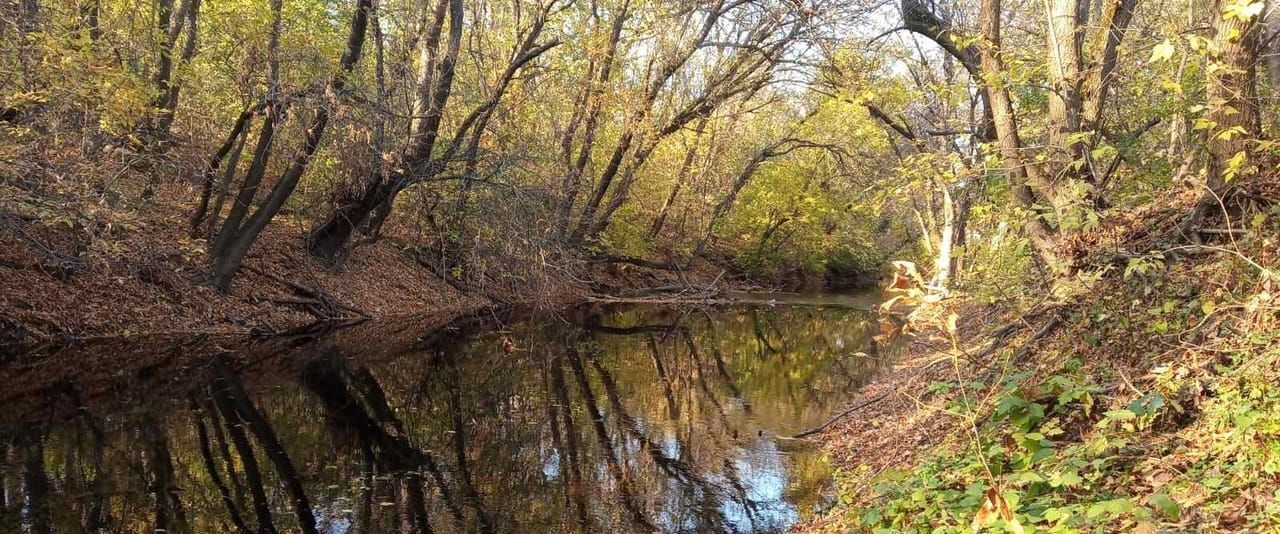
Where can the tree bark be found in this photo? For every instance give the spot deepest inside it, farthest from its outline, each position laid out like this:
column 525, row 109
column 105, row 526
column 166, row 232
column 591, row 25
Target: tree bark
column 328, row 239
column 1066, row 36
column 234, row 139
column 1233, row 104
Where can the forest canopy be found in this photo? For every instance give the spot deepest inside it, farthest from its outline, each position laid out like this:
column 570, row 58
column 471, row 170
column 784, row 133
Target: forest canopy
column 794, row 141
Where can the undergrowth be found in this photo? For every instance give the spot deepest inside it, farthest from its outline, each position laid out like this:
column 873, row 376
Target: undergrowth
column 1152, row 409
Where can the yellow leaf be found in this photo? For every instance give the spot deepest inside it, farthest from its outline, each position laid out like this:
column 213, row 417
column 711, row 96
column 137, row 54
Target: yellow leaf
column 1162, row 51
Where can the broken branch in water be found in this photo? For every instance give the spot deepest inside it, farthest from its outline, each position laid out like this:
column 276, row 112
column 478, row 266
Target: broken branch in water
column 841, row 415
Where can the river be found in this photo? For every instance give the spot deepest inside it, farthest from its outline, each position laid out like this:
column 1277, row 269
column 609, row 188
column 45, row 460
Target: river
column 601, row 419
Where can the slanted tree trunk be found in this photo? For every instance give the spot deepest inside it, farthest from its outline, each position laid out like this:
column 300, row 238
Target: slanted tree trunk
column 681, row 175
column 327, row 240
column 238, row 238
column 920, row 19
column 274, row 109
column 740, row 182
column 593, row 95
column 417, row 164
column 741, row 74
column 234, row 143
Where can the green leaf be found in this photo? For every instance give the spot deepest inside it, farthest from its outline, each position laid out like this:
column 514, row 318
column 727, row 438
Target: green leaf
column 1067, row 479
column 1120, row 415
column 1167, row 505
column 1111, row 508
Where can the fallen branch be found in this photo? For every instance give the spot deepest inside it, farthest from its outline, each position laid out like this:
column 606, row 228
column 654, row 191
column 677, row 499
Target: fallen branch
column 841, row 415
column 638, row 262
column 453, row 282
column 669, row 294
column 1000, row 335
column 313, row 301
column 1045, row 330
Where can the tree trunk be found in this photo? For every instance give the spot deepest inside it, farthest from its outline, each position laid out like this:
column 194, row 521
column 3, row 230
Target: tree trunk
column 595, row 101
column 942, row 263
column 722, row 208
column 1021, row 175
column 168, row 98
column 1271, row 37
column 1066, row 34
column 681, row 175
column 328, row 239
column 228, row 259
column 234, row 139
column 1232, row 94
column 1233, row 104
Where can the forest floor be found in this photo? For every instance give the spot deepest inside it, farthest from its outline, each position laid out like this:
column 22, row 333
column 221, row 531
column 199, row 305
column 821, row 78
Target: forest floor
column 1143, row 401
column 76, row 262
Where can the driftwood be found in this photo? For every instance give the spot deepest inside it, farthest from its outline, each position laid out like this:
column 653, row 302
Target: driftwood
column 684, row 292
column 638, row 262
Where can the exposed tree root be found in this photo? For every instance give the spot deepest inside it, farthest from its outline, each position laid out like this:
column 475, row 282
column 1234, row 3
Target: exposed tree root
column 316, row 302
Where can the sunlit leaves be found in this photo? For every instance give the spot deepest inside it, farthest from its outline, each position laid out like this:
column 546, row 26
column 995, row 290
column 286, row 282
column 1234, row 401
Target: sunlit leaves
column 1163, row 51
column 1243, row 10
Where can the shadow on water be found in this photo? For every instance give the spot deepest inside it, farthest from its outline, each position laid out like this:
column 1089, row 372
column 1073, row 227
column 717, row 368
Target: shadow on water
column 608, row 419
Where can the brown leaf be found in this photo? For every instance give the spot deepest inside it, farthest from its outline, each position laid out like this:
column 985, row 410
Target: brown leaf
column 995, row 507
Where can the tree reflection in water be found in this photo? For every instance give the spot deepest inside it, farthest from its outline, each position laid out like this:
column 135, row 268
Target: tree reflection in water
column 617, row 420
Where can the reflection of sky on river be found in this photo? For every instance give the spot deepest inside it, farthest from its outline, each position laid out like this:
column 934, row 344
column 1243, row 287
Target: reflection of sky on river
column 550, row 464
column 759, row 504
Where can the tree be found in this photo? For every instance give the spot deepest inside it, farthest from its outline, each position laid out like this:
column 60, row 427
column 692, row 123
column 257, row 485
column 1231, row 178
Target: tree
column 746, row 68
column 1233, row 123
column 418, row 162
column 237, row 234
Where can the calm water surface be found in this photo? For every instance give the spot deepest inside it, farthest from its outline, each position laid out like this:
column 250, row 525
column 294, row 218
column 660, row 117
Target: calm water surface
column 625, row 419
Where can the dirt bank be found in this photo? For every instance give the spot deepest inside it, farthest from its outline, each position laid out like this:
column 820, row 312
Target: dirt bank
column 78, row 266
column 895, row 419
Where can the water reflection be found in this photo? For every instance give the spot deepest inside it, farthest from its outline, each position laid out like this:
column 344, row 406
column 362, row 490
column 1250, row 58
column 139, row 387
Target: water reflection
column 614, row 420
